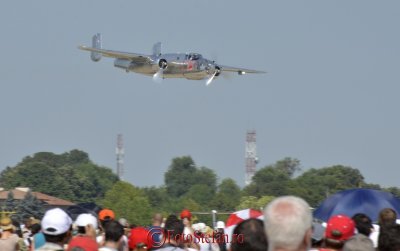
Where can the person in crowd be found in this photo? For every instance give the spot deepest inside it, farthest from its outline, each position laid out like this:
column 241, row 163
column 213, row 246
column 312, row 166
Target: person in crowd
column 17, row 229
column 37, row 237
column 9, row 240
column 249, row 235
column 86, row 237
column 387, row 216
column 124, row 243
column 220, row 235
column 338, row 230
column 155, row 228
column 288, row 224
column 317, row 235
column 359, row 242
column 56, row 227
column 104, row 216
column 186, row 217
column 173, row 231
column 140, row 239
column 113, row 232
column 389, row 238
column 363, row 224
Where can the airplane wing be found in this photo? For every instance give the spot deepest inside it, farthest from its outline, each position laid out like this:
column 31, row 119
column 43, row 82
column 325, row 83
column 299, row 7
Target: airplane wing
column 135, row 57
column 240, row 71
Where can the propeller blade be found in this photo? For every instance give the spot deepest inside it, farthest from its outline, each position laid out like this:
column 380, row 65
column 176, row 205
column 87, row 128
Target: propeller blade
column 159, row 76
column 210, row 79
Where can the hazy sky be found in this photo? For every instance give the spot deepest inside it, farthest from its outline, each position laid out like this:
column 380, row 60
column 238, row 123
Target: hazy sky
column 331, row 95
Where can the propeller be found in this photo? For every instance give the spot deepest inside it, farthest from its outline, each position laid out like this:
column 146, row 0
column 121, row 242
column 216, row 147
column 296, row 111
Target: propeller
column 159, row 75
column 210, row 79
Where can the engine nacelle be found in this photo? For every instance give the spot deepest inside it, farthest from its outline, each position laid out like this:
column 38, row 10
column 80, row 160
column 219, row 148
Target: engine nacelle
column 162, row 63
column 213, row 69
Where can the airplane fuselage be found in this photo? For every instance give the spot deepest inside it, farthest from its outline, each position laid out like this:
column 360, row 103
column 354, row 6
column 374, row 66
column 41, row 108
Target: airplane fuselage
column 177, row 65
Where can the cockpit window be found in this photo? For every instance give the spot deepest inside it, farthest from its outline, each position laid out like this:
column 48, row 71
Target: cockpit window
column 194, row 56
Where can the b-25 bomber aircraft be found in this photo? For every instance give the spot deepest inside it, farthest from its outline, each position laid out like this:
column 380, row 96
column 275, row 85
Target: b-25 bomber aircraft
column 170, row 65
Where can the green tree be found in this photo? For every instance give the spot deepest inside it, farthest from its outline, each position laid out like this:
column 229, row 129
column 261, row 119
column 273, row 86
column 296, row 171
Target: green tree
column 183, row 174
column 129, row 202
column 268, row 181
column 179, row 177
column 202, row 194
column 288, row 165
column 323, row 182
column 227, row 196
column 254, row 202
column 30, row 206
column 71, row 176
column 10, row 203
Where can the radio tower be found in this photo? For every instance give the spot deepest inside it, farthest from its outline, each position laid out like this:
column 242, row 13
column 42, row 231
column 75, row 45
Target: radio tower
column 120, row 156
column 250, row 155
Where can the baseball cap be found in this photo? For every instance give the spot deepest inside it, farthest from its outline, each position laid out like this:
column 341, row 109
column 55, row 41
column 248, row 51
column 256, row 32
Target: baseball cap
column 85, row 219
column 140, row 237
column 55, row 222
column 106, row 213
column 340, row 228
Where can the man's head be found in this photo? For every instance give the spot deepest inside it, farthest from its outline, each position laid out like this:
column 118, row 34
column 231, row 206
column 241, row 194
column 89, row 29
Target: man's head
column 6, row 224
column 359, row 242
column 249, row 235
column 157, row 219
column 387, row 216
column 83, row 221
column 339, row 229
column 288, row 223
column 56, row 225
column 363, row 224
column 140, row 239
column 173, row 228
column 113, row 231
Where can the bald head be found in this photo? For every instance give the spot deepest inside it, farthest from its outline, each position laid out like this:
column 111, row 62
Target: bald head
column 288, row 223
column 157, row 219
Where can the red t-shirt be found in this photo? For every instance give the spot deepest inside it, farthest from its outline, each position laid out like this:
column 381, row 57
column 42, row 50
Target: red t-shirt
column 85, row 242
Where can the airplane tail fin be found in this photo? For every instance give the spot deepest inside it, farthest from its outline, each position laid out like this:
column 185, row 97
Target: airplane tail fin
column 96, row 43
column 157, row 49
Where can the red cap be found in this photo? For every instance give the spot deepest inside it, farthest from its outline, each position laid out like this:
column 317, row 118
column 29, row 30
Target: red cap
column 84, row 242
column 340, row 228
column 140, row 235
column 186, row 214
column 104, row 213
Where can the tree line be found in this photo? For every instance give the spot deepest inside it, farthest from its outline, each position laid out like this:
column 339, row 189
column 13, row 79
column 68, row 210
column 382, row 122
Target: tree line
column 73, row 176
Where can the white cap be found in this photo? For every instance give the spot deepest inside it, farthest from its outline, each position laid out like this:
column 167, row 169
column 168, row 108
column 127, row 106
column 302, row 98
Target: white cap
column 55, row 222
column 85, row 219
column 220, row 224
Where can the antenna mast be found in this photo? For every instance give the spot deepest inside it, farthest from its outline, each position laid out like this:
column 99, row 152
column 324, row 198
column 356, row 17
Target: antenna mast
column 120, row 152
column 251, row 156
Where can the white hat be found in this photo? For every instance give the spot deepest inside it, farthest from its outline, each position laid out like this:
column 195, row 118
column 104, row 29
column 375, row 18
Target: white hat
column 202, row 227
column 85, row 219
column 220, row 224
column 55, row 222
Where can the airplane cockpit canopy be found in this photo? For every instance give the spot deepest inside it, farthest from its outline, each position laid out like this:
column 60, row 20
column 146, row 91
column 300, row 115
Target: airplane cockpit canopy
column 193, row 56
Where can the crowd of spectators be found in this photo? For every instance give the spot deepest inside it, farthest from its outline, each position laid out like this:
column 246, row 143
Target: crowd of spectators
column 287, row 225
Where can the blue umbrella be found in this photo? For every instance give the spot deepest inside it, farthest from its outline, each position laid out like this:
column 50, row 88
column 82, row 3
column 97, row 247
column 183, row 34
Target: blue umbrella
column 360, row 200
